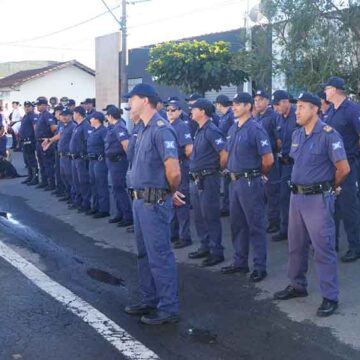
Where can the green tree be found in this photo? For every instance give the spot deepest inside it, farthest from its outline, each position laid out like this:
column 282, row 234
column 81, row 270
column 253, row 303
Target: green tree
column 315, row 39
column 195, row 66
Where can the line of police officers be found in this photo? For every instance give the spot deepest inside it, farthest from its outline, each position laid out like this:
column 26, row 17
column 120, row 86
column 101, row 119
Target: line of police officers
column 286, row 163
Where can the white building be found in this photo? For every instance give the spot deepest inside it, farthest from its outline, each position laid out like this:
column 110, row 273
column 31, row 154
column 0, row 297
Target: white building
column 69, row 79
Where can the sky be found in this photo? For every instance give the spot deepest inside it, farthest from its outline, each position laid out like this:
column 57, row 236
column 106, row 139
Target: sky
column 31, row 29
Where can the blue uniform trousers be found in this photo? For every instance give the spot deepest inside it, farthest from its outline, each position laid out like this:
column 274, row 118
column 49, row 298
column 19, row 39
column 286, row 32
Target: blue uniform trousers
column 206, row 205
column 99, row 185
column 311, row 221
column 285, row 176
column 81, row 183
column 46, row 162
column 60, row 185
column 117, row 170
column 225, row 188
column 247, row 219
column 181, row 214
column 272, row 193
column 29, row 156
column 348, row 208
column 156, row 261
column 66, row 175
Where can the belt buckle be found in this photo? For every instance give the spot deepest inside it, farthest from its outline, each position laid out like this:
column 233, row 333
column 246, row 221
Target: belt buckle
column 100, row 158
column 232, row 177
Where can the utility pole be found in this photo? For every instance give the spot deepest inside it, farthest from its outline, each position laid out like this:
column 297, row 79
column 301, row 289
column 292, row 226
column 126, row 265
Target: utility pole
column 124, row 55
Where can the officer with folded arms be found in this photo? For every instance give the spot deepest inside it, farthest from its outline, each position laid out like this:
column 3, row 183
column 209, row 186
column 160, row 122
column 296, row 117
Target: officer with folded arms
column 320, row 167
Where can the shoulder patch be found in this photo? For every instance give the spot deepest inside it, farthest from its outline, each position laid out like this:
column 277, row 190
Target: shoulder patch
column 160, row 123
column 328, row 128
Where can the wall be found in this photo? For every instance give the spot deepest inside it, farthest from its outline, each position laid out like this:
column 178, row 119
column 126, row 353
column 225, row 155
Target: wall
column 71, row 82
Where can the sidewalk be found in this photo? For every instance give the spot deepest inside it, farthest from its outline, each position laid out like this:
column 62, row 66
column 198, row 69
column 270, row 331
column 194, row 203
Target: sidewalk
column 345, row 324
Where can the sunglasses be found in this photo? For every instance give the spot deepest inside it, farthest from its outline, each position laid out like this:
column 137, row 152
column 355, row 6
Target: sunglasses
column 171, row 110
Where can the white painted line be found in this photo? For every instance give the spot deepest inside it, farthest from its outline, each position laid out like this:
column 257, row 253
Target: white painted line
column 113, row 333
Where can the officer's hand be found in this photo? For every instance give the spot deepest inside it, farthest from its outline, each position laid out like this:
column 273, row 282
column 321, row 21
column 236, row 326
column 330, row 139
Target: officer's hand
column 45, row 146
column 178, row 199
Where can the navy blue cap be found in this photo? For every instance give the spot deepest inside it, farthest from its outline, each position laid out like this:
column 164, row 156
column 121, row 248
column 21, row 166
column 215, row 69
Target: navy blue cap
column 142, row 90
column 28, row 103
column 108, row 106
column 193, row 97
column 80, row 110
column 310, row 98
column 203, row 104
column 262, row 94
column 98, row 115
column 223, row 100
column 174, row 103
column 244, row 98
column 41, row 102
column 66, row 111
column 58, row 108
column 71, row 102
column 88, row 101
column 170, row 98
column 114, row 111
column 336, row 82
column 279, row 95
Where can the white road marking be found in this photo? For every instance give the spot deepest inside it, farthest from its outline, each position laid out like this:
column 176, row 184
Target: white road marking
column 109, row 330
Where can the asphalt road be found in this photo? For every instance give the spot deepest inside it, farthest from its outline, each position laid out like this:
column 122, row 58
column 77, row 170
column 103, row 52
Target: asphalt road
column 221, row 317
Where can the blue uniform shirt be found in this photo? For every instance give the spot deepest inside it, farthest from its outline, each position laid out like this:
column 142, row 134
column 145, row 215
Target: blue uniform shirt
column 78, row 142
column 183, row 136
column 315, row 155
column 65, row 136
column 246, row 146
column 42, row 128
column 156, row 143
column 132, row 140
column 96, row 141
column 89, row 114
column 226, row 121
column 268, row 121
column 208, row 142
column 114, row 136
column 3, row 142
column 215, row 119
column 284, row 130
column 27, row 126
column 346, row 121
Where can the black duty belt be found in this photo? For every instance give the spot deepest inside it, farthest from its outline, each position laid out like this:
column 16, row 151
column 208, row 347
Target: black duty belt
column 319, row 188
column 75, row 156
column 201, row 174
column 65, row 154
column 285, row 159
column 98, row 157
column 116, row 157
column 245, row 174
column 151, row 195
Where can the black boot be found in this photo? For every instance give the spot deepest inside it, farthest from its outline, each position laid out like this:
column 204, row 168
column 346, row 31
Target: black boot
column 29, row 177
column 35, row 177
column 51, row 185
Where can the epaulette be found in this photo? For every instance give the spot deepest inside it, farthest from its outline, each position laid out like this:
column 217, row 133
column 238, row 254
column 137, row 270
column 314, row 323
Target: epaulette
column 328, row 128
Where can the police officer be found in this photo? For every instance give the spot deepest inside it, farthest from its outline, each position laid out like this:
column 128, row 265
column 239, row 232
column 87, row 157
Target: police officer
column 223, row 106
column 155, row 175
column 45, row 129
column 250, row 157
column 71, row 104
column 207, row 159
column 64, row 151
column 181, row 227
column 344, row 116
column 325, row 106
column 97, row 167
column 89, row 108
column 79, row 164
column 266, row 116
column 192, row 124
column 116, row 144
column 27, row 138
column 320, row 167
column 285, row 126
